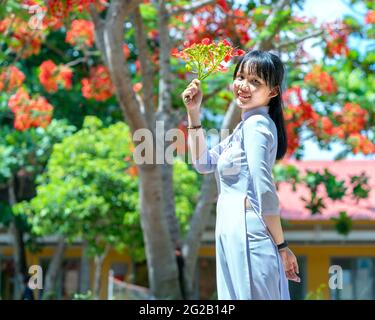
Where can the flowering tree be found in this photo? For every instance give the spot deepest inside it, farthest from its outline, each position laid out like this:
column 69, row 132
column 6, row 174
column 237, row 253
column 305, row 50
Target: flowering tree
column 87, row 56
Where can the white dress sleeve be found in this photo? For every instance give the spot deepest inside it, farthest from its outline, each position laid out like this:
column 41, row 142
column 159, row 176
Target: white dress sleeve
column 258, row 141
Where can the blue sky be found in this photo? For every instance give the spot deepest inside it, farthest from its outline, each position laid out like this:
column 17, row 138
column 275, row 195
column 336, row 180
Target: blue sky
column 326, row 10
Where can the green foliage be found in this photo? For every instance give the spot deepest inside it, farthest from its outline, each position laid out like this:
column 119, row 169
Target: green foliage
column 87, row 193
column 186, row 191
column 335, row 189
column 318, row 294
column 286, row 173
column 361, row 189
column 343, row 223
column 29, row 150
column 84, row 296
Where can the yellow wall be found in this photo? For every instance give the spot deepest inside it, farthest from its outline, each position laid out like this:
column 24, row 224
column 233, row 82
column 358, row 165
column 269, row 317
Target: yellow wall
column 317, row 260
column 75, row 252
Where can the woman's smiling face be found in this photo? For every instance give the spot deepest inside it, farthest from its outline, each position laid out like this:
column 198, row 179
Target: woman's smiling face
column 251, row 91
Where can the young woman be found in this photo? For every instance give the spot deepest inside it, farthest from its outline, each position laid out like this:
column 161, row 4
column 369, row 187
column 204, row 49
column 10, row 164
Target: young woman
column 253, row 260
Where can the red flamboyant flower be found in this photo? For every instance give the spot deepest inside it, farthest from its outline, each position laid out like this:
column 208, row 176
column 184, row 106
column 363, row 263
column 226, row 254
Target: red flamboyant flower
column 153, row 34
column 81, row 33
column 51, row 75
column 360, row 143
column 23, row 40
column 99, row 85
column 206, row 57
column 44, row 21
column 65, row 76
column 126, row 50
column 223, row 5
column 352, row 118
column 10, row 78
column 321, row 80
column 299, row 112
column 337, row 39
column 293, row 138
column 62, row 8
column 207, row 24
column 137, row 87
column 29, row 112
column 326, row 126
column 370, row 17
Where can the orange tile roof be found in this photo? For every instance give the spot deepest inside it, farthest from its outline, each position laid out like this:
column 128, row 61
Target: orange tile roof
column 293, row 208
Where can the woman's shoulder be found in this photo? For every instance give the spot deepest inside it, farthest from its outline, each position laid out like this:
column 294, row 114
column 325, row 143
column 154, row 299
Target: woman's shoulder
column 262, row 124
column 258, row 121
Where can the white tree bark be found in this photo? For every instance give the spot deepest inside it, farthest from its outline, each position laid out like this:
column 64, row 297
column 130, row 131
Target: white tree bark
column 99, row 259
column 54, row 268
column 162, row 269
column 19, row 256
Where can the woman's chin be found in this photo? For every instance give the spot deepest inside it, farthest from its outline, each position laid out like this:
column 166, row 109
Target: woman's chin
column 243, row 105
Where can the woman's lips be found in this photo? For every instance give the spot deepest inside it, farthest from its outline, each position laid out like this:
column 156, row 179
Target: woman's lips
column 243, row 98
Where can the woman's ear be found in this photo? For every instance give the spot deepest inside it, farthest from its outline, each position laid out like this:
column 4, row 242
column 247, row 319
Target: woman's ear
column 274, row 92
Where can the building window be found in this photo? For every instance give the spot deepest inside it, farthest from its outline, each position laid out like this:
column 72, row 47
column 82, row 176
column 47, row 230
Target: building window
column 357, row 276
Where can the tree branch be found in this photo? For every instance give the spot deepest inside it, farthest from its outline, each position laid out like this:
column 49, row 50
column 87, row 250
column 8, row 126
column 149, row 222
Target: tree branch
column 211, row 94
column 147, row 69
column 165, row 100
column 189, row 7
column 98, row 31
column 299, row 40
column 266, row 44
column 109, row 39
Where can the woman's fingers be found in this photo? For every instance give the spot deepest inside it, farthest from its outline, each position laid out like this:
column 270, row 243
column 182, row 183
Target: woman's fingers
column 295, row 267
column 292, row 270
column 292, row 276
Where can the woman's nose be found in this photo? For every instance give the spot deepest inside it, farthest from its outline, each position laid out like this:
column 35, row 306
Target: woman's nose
column 244, row 87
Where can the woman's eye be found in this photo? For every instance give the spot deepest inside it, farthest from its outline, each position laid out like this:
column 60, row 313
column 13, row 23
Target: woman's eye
column 254, row 81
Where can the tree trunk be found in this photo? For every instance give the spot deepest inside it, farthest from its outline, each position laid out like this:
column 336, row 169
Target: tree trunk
column 19, row 258
column 54, row 268
column 84, row 283
column 99, row 259
column 161, row 262
column 19, row 254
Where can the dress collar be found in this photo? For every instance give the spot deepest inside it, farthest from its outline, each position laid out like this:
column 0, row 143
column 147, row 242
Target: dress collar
column 257, row 110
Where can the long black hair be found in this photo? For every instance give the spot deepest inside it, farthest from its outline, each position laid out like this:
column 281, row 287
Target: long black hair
column 270, row 68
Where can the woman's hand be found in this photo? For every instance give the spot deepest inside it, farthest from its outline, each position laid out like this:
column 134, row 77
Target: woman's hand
column 290, row 264
column 192, row 96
